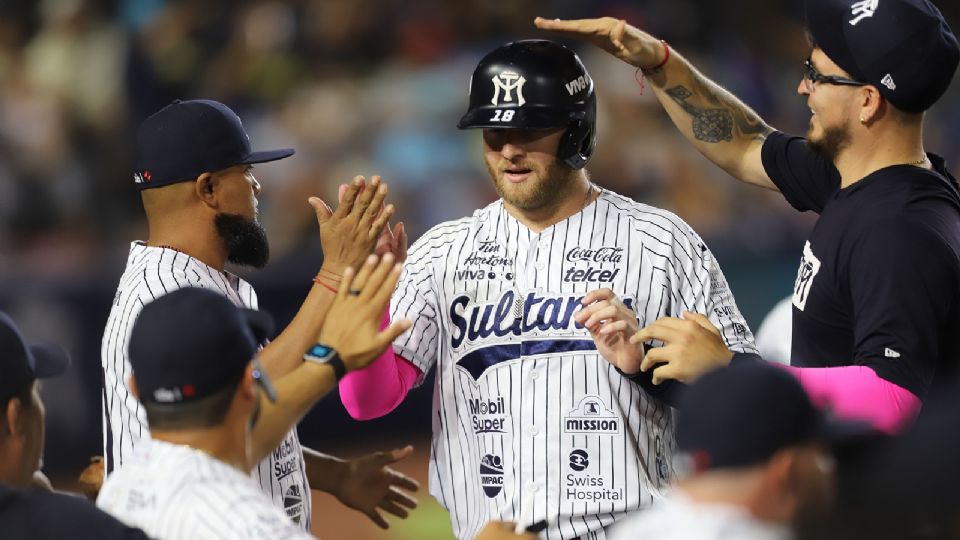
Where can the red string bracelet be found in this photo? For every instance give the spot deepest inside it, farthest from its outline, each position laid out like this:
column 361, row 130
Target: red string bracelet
column 322, row 270
column 324, row 285
column 666, row 56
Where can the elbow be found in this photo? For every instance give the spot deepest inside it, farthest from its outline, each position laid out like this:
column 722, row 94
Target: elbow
column 370, row 406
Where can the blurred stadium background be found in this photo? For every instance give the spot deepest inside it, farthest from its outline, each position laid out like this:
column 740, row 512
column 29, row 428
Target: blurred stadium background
column 357, row 87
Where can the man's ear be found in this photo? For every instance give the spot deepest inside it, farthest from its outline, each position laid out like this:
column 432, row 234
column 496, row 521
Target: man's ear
column 11, row 416
column 248, row 385
column 871, row 105
column 206, row 187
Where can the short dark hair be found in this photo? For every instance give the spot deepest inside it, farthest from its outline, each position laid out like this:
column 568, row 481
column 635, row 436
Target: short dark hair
column 205, row 412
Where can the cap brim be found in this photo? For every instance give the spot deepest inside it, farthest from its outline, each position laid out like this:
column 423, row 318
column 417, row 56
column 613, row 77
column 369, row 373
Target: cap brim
column 260, row 323
column 267, row 155
column 48, row 360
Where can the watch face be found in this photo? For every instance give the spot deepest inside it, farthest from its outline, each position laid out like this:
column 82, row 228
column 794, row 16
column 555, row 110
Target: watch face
column 319, row 351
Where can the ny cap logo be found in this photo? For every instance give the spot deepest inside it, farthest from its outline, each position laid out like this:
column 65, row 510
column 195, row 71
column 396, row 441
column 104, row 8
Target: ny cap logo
column 862, row 9
column 888, row 82
column 508, row 81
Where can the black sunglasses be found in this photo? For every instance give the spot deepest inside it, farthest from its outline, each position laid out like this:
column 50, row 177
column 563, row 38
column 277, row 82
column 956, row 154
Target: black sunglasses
column 811, row 74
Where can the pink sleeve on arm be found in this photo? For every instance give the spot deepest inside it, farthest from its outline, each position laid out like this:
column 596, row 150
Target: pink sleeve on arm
column 377, row 389
column 858, row 393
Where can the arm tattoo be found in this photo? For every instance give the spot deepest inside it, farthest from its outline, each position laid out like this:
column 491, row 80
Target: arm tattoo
column 715, row 125
column 709, row 125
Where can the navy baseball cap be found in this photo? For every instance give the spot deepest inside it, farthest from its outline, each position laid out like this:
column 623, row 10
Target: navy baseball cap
column 193, row 342
column 185, row 139
column 743, row 414
column 903, row 47
column 20, row 363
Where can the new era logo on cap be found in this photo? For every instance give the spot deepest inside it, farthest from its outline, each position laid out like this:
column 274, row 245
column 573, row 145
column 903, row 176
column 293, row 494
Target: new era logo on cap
column 185, row 139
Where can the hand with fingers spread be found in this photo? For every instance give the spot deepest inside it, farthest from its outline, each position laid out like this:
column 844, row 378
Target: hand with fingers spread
column 626, row 42
column 692, row 347
column 352, row 232
column 352, row 326
column 611, row 323
column 371, row 485
column 393, row 239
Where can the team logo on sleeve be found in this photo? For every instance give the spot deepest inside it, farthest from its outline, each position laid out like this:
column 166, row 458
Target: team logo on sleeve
column 491, row 475
column 591, row 417
column 809, row 266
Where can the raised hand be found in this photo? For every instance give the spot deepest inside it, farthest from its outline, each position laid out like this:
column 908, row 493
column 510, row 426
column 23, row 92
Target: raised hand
column 370, row 485
column 351, row 232
column 615, row 36
column 692, row 347
column 611, row 323
column 352, row 326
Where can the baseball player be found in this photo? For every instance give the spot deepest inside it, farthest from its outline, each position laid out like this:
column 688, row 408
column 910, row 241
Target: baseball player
column 876, row 303
column 530, row 422
column 193, row 357
column 194, row 171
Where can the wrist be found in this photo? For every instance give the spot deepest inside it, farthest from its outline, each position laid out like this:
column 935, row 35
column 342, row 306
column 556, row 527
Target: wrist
column 659, row 50
column 328, row 356
column 329, row 473
column 332, row 268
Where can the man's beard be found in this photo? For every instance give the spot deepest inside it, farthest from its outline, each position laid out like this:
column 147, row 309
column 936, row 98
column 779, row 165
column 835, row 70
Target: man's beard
column 833, row 141
column 554, row 185
column 246, row 240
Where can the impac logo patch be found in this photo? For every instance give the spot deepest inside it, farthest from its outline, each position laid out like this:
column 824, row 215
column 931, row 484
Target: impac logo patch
column 491, row 475
column 293, row 503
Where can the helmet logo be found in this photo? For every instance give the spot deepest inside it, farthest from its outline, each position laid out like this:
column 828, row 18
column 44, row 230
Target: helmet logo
column 508, row 81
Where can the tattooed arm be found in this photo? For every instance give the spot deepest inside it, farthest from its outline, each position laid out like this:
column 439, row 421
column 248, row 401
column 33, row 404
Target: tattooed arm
column 722, row 127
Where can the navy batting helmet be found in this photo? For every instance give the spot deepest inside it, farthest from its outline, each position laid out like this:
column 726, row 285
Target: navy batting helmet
column 536, row 84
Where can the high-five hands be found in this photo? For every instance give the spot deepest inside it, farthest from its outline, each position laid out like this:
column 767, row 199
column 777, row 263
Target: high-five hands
column 355, row 229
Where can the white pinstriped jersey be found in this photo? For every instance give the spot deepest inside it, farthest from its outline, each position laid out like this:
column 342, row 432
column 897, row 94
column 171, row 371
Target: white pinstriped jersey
column 174, row 492
column 524, row 407
column 152, row 272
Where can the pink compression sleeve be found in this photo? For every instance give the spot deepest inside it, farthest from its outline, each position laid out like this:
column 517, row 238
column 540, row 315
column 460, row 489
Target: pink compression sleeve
column 858, row 393
column 378, row 388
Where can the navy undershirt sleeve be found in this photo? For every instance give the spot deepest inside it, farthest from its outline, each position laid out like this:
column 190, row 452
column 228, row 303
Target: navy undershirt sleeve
column 803, row 176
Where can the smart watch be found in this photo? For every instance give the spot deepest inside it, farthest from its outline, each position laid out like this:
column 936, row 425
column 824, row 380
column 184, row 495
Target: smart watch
column 323, row 354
